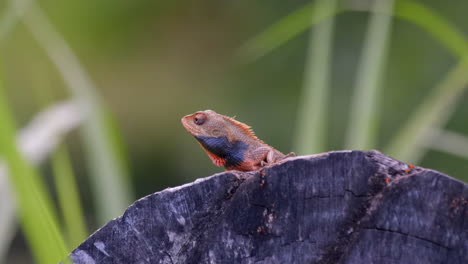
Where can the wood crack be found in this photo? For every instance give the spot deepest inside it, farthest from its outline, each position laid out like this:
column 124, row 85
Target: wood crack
column 408, row 235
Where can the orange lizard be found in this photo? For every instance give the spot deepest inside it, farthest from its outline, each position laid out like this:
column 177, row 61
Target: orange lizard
column 230, row 143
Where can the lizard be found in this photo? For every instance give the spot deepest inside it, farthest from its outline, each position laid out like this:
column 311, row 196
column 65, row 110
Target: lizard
column 230, row 143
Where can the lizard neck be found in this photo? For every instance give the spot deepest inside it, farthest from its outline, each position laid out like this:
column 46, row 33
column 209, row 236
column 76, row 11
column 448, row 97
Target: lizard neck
column 232, row 152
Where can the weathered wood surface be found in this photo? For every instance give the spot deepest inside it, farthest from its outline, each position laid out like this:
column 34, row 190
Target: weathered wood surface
column 338, row 207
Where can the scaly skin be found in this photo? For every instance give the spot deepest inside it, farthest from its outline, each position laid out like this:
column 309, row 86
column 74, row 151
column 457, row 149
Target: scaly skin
column 230, row 143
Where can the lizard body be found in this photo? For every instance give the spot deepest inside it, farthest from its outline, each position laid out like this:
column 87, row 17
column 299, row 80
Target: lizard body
column 230, row 143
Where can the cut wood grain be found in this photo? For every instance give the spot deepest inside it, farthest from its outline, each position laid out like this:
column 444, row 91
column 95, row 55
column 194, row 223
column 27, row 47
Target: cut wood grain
column 337, row 207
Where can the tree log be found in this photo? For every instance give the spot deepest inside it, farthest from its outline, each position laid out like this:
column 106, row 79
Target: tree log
column 337, row 207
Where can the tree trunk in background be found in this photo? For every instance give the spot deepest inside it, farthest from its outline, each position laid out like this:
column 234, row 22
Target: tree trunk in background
column 338, row 207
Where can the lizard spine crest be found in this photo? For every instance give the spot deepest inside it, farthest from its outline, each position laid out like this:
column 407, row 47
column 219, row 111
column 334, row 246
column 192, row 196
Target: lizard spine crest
column 246, row 128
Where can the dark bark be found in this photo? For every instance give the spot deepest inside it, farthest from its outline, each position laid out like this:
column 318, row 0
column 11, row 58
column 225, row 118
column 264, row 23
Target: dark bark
column 338, row 207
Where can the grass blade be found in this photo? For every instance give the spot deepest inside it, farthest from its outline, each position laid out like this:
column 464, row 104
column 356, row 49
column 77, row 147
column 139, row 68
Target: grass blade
column 14, row 11
column 437, row 107
column 8, row 225
column 433, row 112
column 106, row 172
column 68, row 197
column 284, row 30
column 412, row 11
column 362, row 129
column 312, row 115
column 36, row 141
column 301, row 19
column 74, row 226
column 36, row 212
column 434, row 24
column 448, row 142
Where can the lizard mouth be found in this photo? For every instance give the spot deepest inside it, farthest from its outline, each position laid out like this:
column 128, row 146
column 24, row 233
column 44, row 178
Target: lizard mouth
column 187, row 122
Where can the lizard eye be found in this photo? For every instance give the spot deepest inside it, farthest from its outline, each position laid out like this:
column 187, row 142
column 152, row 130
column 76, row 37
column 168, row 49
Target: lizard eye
column 199, row 119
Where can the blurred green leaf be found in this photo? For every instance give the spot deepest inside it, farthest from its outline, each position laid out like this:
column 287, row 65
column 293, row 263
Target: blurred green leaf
column 301, row 19
column 108, row 172
column 402, row 146
column 36, row 212
column 448, row 142
column 110, row 183
column 363, row 122
column 68, row 197
column 436, row 25
column 313, row 114
column 433, row 112
column 438, row 106
column 284, row 30
column 10, row 17
column 117, row 143
column 71, row 211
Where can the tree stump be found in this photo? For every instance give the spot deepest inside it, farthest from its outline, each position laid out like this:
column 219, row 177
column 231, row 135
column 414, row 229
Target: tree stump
column 337, row 207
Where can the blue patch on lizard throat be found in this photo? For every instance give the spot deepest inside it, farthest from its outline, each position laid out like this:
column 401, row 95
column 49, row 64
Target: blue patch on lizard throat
column 231, row 151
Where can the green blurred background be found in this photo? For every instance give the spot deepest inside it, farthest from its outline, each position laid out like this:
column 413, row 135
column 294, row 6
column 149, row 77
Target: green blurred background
column 155, row 61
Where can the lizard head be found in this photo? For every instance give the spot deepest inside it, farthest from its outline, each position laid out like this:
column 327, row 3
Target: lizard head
column 206, row 123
